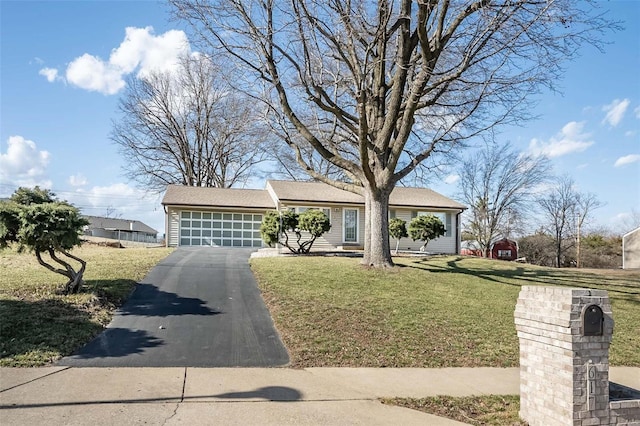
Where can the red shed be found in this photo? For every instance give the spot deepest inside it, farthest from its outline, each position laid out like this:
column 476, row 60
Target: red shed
column 504, row 249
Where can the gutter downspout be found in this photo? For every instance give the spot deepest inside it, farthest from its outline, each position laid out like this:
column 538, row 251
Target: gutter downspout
column 166, row 226
column 458, row 232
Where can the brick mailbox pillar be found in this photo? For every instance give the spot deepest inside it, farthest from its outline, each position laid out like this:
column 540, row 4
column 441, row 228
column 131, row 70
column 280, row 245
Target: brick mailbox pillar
column 564, row 336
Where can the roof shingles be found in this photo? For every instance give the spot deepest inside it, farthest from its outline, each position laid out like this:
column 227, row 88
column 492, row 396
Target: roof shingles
column 222, row 197
column 291, row 192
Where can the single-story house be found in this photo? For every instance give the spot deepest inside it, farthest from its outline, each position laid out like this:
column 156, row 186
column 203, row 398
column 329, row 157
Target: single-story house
column 504, row 249
column 231, row 217
column 631, row 249
column 120, row 229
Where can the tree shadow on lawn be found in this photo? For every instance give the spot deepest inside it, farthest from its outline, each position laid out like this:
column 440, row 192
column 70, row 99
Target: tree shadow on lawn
column 37, row 332
column 518, row 276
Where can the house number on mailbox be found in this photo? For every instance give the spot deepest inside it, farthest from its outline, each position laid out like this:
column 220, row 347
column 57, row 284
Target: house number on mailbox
column 592, row 321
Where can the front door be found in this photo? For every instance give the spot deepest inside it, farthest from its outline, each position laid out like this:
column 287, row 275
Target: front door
column 350, row 225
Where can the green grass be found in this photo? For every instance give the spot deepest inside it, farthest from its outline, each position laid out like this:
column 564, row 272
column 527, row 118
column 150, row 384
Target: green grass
column 442, row 311
column 495, row 410
column 38, row 324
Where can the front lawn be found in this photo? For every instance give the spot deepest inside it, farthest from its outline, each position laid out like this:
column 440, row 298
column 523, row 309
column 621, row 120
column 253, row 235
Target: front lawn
column 38, row 325
column 443, row 311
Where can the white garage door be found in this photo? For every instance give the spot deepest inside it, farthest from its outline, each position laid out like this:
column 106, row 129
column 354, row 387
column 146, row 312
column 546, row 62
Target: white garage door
column 220, row 229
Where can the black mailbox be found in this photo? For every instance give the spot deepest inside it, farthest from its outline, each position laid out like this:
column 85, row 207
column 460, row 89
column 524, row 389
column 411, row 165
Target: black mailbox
column 592, row 321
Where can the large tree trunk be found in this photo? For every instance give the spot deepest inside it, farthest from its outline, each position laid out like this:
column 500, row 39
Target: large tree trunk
column 377, row 252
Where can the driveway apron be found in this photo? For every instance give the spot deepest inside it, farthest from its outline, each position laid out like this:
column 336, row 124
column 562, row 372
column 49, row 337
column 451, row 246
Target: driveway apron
column 199, row 307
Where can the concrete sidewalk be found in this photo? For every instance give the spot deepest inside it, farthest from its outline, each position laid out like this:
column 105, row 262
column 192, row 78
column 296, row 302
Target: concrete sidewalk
column 247, row 396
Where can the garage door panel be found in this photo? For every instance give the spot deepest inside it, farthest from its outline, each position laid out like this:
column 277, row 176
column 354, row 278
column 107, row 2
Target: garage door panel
column 220, row 229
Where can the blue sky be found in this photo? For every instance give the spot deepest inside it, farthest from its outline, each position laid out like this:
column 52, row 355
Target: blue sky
column 62, row 67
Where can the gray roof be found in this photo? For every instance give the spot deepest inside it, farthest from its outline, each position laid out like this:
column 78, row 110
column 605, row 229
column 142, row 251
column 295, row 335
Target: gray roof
column 98, row 222
column 297, row 192
column 223, row 197
column 320, row 192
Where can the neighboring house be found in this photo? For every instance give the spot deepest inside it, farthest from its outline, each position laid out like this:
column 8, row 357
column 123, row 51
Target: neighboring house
column 120, row 229
column 504, row 249
column 470, row 248
column 631, row 250
column 198, row 216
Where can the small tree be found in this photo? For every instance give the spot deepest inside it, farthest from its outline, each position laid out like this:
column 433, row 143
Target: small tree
column 426, row 228
column 36, row 221
column 398, row 230
column 275, row 228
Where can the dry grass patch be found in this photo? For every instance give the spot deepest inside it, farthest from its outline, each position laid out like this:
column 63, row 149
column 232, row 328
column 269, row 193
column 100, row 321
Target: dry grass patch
column 38, row 324
column 444, row 311
column 494, row 410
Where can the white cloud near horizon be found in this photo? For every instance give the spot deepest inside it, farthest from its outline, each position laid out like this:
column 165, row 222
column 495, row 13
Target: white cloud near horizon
column 140, row 50
column 570, row 139
column 627, row 159
column 615, row 111
column 23, row 164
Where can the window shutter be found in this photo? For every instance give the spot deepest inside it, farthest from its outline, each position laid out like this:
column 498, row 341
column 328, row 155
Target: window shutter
column 414, row 214
column 392, row 214
column 448, row 225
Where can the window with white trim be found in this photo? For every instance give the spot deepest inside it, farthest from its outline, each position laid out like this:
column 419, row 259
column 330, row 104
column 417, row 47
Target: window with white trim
column 504, row 253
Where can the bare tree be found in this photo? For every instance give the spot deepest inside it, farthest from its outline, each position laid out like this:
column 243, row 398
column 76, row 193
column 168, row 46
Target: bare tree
column 188, row 127
column 629, row 222
column 498, row 184
column 376, row 88
column 565, row 212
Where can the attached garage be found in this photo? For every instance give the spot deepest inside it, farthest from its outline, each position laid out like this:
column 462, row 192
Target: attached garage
column 234, row 221
column 224, row 229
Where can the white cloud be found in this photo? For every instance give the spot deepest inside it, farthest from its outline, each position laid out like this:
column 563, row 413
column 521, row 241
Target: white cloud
column 93, row 74
column 140, row 49
column 51, row 74
column 627, row 159
column 615, row 111
column 630, row 133
column 77, row 180
column 451, row 179
column 637, row 111
column 23, row 164
column 121, row 200
column 569, row 140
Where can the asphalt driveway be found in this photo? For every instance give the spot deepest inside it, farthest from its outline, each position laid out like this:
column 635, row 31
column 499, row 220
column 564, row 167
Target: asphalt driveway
column 199, row 307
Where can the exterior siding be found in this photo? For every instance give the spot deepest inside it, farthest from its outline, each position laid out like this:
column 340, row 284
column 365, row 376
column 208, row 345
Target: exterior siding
column 334, row 238
column 174, row 227
column 443, row 244
column 631, row 250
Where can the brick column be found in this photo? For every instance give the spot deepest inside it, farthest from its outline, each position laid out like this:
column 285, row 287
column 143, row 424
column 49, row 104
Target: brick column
column 564, row 375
